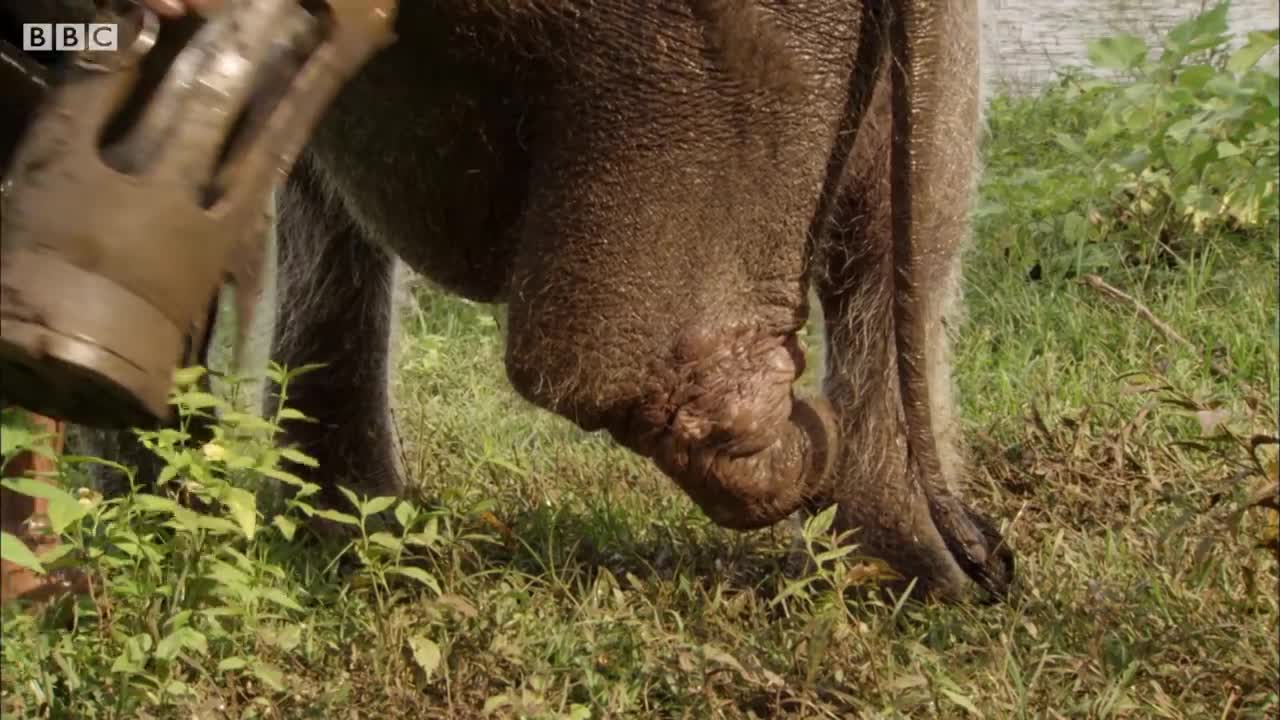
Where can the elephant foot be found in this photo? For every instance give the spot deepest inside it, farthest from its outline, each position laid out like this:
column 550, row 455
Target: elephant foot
column 975, row 544
column 930, row 538
column 347, row 466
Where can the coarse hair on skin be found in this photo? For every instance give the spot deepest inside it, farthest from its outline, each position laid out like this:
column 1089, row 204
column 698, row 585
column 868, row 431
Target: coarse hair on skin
column 297, row 278
column 948, row 307
column 945, row 308
column 749, row 46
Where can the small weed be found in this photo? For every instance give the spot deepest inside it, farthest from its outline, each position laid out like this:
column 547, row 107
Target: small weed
column 200, row 593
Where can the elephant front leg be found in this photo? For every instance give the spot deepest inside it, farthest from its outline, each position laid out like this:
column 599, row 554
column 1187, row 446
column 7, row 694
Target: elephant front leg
column 334, row 307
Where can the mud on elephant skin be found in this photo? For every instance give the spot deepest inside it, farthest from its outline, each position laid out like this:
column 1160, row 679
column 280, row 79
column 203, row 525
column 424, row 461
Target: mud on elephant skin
column 655, row 193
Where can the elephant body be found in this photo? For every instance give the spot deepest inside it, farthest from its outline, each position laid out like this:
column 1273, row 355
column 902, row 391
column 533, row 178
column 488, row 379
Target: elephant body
column 656, row 190
column 654, row 194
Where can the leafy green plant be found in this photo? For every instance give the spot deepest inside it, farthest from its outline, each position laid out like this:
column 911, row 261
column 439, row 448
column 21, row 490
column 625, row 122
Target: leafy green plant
column 192, row 589
column 1163, row 152
column 20, row 435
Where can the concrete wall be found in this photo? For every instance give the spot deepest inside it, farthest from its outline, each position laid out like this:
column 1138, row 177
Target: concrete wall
column 1028, row 39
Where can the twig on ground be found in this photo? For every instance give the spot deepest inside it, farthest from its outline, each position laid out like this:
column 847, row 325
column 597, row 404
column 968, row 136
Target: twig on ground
column 1119, row 296
column 1267, row 497
column 1256, row 442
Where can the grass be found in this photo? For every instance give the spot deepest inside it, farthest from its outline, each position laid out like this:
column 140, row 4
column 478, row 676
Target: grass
column 540, row 572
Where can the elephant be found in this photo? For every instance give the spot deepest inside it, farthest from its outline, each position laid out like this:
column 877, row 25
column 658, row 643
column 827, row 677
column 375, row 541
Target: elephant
column 655, row 191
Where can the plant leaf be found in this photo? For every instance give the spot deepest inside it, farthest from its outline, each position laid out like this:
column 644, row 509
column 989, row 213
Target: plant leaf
column 1119, row 52
column 269, row 674
column 406, row 514
column 183, row 638
column 188, row 376
column 291, row 414
column 64, row 508
column 386, row 540
column 426, row 653
column 1197, row 33
column 338, row 517
column 963, row 701
column 418, row 574
column 299, row 457
column 278, row 596
column 244, row 508
column 1259, row 44
column 13, row 550
column 286, row 526
column 377, row 505
column 1227, row 149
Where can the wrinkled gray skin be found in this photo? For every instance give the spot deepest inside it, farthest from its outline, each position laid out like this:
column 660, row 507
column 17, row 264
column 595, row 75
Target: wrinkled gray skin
column 654, row 193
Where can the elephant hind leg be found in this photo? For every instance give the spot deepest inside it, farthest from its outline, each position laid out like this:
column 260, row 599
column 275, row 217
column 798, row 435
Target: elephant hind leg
column 334, row 306
column 903, row 507
column 934, row 90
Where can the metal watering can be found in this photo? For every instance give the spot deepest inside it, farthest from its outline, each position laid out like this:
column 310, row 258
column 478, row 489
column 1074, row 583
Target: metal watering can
column 139, row 186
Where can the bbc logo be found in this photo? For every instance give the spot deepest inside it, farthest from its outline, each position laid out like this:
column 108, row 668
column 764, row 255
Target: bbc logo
column 69, row 36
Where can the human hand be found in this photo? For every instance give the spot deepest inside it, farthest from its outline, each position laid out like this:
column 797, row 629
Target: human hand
column 178, row 8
